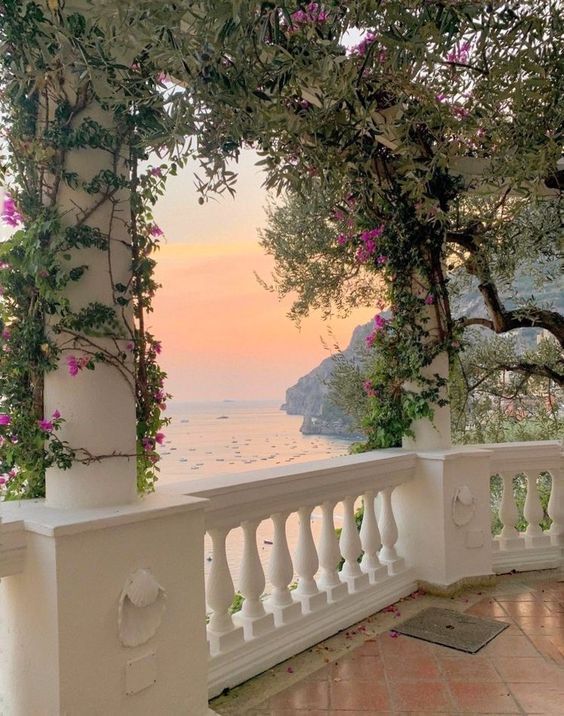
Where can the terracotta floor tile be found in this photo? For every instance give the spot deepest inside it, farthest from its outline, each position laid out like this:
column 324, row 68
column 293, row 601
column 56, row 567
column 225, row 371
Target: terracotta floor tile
column 548, row 647
column 538, row 698
column 358, row 668
column 554, row 607
column 547, row 625
column 526, row 609
column 478, row 697
column 322, row 674
column 402, row 646
column 412, row 668
column 371, row 647
column 346, row 695
column 515, row 645
column 425, row 696
column 528, row 670
column 524, row 595
column 487, row 608
column 297, row 712
column 304, row 695
column 471, row 668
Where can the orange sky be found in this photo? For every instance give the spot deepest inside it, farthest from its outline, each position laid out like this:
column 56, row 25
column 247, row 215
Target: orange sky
column 224, row 336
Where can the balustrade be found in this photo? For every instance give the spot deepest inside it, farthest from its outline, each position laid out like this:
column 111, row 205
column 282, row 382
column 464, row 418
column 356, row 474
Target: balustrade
column 534, row 547
column 307, row 564
column 389, row 534
column 281, row 573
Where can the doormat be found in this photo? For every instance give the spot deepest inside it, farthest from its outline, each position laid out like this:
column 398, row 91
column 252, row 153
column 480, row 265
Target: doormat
column 453, row 629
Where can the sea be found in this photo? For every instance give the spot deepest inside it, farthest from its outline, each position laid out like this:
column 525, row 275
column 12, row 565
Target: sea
column 229, row 437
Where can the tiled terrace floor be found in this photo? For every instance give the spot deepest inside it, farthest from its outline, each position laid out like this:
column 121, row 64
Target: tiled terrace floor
column 366, row 672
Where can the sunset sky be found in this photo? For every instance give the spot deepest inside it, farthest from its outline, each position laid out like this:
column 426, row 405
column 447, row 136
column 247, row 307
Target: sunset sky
column 224, row 336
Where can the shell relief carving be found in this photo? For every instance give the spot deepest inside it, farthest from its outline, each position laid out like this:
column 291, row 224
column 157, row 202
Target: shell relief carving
column 141, row 607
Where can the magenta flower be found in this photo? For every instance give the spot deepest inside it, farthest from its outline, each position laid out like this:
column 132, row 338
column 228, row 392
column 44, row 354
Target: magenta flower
column 429, row 299
column 155, row 230
column 72, row 365
column 157, row 347
column 4, row 265
column 75, row 364
column 56, row 415
column 370, row 339
column 130, row 346
column 382, row 260
column 148, row 444
column 379, row 322
column 369, row 389
column 459, row 53
column 342, row 239
column 45, row 425
column 362, row 48
column 6, row 334
column 10, row 213
column 155, row 172
column 5, row 419
column 159, row 438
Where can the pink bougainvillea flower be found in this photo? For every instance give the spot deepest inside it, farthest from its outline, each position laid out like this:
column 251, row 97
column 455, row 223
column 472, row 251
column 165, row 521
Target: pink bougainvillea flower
column 6, row 334
column 45, row 425
column 2, row 480
column 72, row 365
column 10, row 213
column 382, row 260
column 459, row 53
column 148, row 444
column 56, row 415
column 429, row 299
column 155, row 230
column 393, row 633
column 5, row 419
column 369, row 389
column 156, row 172
column 75, row 364
column 157, row 347
column 4, row 265
column 342, row 239
column 159, row 438
column 379, row 322
column 290, row 669
column 130, row 345
column 362, row 48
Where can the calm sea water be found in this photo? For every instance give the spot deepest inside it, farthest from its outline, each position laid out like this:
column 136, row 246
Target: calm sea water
column 236, row 436
column 206, row 439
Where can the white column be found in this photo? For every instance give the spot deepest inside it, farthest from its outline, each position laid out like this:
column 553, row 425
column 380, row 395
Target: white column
column 222, row 633
column 351, row 549
column 533, row 513
column 556, row 508
column 252, row 616
column 389, row 534
column 307, row 564
column 281, row 572
column 98, row 406
column 509, row 538
column 371, row 541
column 329, row 556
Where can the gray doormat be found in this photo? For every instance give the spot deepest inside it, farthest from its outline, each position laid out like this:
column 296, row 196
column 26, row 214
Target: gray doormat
column 453, row 629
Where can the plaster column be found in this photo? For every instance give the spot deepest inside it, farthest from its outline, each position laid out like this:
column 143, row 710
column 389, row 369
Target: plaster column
column 98, row 406
column 436, row 433
column 443, row 518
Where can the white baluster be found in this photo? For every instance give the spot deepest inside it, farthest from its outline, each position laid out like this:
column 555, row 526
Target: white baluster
column 389, row 534
column 556, row 508
column 329, row 556
column 222, row 633
column 307, row 564
column 533, row 513
column 351, row 549
column 509, row 538
column 281, row 572
column 252, row 617
column 371, row 542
